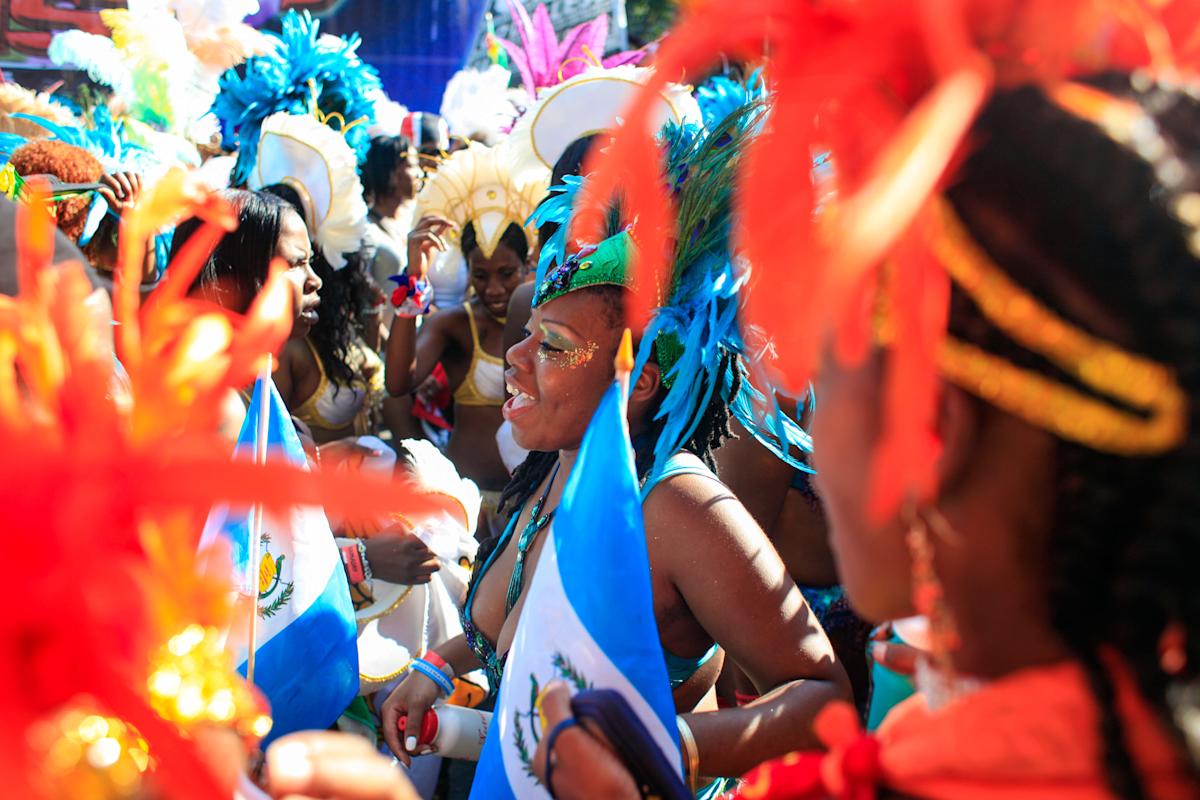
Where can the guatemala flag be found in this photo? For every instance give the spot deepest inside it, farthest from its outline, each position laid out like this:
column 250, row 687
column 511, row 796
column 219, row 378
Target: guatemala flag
column 589, row 617
column 307, row 660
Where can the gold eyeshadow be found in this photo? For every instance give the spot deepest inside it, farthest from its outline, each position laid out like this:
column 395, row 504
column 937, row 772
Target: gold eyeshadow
column 568, row 353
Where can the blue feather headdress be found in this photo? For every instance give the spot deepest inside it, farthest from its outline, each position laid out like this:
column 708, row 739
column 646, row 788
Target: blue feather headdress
column 695, row 336
column 555, row 209
column 720, row 97
column 303, row 69
column 107, row 140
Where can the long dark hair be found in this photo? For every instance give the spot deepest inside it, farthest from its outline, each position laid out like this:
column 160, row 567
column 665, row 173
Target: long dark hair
column 344, row 294
column 237, row 268
column 1103, row 219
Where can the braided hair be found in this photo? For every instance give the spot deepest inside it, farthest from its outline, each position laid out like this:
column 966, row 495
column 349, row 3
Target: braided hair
column 1103, row 215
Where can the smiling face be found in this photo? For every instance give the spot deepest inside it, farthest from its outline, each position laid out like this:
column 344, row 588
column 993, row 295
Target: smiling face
column 295, row 249
column 559, row 372
column 495, row 279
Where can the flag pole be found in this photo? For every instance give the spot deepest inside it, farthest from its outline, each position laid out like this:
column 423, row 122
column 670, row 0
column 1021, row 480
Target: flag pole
column 256, row 519
column 624, row 365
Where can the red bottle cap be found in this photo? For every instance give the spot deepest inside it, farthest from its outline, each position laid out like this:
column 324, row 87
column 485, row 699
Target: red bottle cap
column 429, row 727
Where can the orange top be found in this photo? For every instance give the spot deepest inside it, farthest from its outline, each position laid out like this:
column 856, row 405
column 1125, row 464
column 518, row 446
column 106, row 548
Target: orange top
column 1032, row 735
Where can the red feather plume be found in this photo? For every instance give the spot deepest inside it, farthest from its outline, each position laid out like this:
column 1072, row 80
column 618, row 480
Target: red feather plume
column 104, row 496
column 890, row 89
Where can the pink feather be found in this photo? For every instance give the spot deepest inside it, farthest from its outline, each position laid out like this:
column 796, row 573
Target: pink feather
column 543, row 54
column 517, row 55
column 524, row 26
column 591, row 33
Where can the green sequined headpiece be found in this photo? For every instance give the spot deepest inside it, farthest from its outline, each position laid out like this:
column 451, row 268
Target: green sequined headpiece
column 608, row 264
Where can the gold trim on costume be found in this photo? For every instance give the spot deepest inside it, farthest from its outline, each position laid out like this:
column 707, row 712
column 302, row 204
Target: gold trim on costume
column 1130, row 379
column 362, row 676
column 403, row 596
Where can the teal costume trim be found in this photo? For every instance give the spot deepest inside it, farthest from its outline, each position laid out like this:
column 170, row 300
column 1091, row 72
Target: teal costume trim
column 493, row 664
column 680, row 669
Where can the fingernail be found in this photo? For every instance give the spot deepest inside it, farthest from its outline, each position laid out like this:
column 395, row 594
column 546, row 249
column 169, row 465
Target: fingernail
column 878, row 651
column 291, row 760
column 410, row 744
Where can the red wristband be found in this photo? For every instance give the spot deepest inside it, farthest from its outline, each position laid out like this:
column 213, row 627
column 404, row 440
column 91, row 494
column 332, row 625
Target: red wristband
column 436, row 660
column 352, row 561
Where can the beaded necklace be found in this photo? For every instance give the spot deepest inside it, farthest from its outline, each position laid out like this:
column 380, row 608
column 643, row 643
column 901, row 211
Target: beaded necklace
column 479, row 644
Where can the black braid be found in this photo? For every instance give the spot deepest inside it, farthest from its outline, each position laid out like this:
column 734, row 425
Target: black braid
column 1125, row 538
column 524, row 482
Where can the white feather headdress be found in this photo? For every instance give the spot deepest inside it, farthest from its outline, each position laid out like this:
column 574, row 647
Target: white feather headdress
column 476, row 104
column 589, row 103
column 314, row 159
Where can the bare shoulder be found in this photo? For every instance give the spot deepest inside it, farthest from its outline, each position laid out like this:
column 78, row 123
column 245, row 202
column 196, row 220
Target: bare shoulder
column 693, row 515
column 451, row 324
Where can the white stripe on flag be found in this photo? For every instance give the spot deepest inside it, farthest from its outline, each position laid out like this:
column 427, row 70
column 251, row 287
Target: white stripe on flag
column 550, row 629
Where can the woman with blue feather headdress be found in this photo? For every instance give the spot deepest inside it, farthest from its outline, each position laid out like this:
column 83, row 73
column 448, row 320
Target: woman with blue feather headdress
column 690, row 380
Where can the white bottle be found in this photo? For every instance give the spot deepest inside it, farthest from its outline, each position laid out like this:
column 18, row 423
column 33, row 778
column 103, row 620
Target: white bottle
column 453, row 731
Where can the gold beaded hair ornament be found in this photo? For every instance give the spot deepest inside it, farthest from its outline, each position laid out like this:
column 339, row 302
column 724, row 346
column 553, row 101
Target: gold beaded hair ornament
column 1105, row 369
column 891, row 91
column 1133, row 405
column 479, row 185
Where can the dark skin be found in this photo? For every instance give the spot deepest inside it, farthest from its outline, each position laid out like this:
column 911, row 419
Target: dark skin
column 445, row 337
column 996, row 492
column 304, row 374
column 698, row 536
column 763, row 483
column 120, row 190
column 519, row 309
column 402, row 187
column 797, row 529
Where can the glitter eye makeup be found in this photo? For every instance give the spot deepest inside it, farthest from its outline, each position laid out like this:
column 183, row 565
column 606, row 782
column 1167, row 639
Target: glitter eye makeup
column 561, row 351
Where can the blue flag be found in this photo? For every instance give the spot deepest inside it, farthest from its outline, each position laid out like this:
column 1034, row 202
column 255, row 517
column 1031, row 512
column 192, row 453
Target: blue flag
column 306, row 661
column 589, row 616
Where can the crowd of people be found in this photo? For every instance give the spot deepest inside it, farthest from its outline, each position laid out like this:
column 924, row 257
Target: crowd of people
column 904, row 304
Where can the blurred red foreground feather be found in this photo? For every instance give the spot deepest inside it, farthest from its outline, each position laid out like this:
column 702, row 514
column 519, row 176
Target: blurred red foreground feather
column 890, row 89
column 106, row 498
